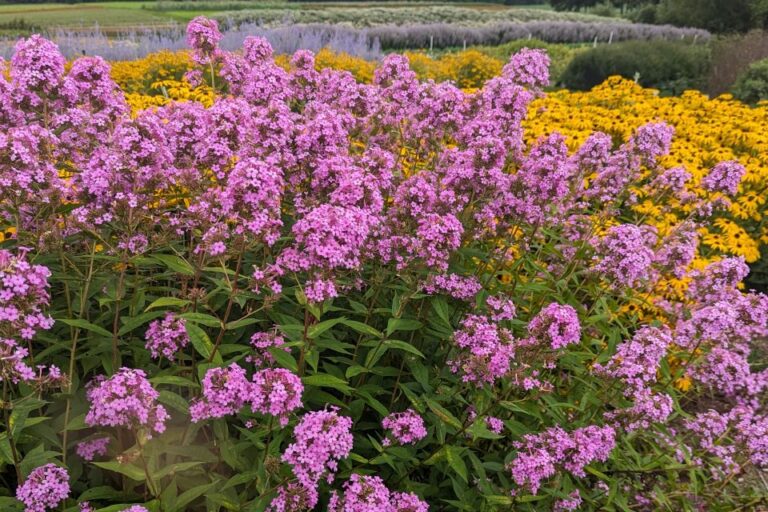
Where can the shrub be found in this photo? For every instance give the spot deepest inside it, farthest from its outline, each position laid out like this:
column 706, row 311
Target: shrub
column 670, row 67
column 317, row 294
column 752, row 85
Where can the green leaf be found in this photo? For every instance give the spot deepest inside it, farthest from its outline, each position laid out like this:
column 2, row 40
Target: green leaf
column 373, row 403
column 480, row 430
column 284, row 359
column 239, row 479
column 363, row 328
column 199, row 340
column 402, row 345
column 402, row 324
column 499, row 500
column 243, row 322
column 102, row 492
column 77, row 423
column 129, row 470
column 355, row 370
column 167, row 301
column 175, row 263
column 131, row 323
column 318, row 329
column 441, row 309
column 86, row 325
column 173, row 380
column 202, row 318
column 597, row 473
column 324, row 380
column 171, row 399
column 529, row 498
column 442, row 413
column 453, row 456
column 191, row 495
column 173, row 469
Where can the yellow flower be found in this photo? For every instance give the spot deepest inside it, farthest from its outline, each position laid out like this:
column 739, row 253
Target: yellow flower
column 683, row 383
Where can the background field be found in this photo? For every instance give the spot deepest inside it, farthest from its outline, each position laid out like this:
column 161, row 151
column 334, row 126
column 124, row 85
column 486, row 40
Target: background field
column 125, row 15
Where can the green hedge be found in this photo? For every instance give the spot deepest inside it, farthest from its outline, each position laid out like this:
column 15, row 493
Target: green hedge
column 671, row 67
column 752, row 84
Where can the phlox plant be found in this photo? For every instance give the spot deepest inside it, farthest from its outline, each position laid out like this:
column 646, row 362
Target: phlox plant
column 318, row 294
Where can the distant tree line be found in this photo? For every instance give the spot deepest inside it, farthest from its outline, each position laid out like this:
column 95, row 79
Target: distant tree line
column 719, row 16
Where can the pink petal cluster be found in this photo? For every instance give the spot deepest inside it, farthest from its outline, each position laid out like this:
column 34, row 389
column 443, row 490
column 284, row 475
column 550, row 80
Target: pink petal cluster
column 541, row 456
column 454, row 285
column 625, row 255
column 261, row 343
column 486, row 350
column 127, row 399
column 321, row 440
column 203, row 37
column 45, row 488
column 364, row 493
column 277, row 392
column 272, row 391
column 167, row 336
column 405, row 427
column 88, row 450
column 23, row 295
column 724, row 177
column 556, row 325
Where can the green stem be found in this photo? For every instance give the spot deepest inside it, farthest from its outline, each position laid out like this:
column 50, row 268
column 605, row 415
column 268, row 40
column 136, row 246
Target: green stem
column 14, row 452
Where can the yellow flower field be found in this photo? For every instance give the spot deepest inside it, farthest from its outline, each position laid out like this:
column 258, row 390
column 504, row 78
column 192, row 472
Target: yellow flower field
column 707, row 131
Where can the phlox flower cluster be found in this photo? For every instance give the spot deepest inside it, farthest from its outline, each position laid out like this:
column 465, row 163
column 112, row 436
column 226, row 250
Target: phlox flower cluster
column 167, row 336
column 203, row 37
column 88, row 450
column 636, row 364
column 328, row 238
column 272, row 391
column 625, row 255
column 293, row 497
column 541, row 456
column 405, row 427
column 23, row 295
column 556, row 325
column 364, row 493
column 486, row 350
column 494, row 424
column 261, row 343
column 636, row 361
column 45, row 488
column 277, row 392
column 225, row 392
column 13, row 367
column 127, row 399
column 321, row 440
column 740, row 434
column 572, row 502
column 724, row 177
column 501, row 308
column 454, row 285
